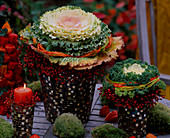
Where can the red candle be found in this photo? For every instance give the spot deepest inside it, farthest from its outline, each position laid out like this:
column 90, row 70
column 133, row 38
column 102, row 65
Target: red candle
column 23, row 94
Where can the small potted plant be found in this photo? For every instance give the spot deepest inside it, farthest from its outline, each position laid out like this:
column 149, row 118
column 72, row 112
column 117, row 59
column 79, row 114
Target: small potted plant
column 133, row 86
column 72, row 46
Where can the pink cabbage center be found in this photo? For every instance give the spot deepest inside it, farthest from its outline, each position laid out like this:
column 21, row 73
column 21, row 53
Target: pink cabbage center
column 69, row 22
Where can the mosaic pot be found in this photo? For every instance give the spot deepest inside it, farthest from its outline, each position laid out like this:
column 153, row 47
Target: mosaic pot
column 22, row 119
column 75, row 95
column 133, row 121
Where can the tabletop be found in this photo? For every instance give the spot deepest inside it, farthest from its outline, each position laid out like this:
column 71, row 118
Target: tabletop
column 43, row 128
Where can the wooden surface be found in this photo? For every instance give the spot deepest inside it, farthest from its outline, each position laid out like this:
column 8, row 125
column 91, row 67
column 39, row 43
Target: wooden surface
column 43, row 128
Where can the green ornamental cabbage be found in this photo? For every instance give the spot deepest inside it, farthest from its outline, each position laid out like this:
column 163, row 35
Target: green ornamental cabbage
column 68, row 125
column 132, row 79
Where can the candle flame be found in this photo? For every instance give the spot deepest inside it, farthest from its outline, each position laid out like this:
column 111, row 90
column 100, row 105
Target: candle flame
column 24, row 85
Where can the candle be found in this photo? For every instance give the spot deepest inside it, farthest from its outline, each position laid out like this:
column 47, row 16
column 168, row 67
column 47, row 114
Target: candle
column 23, row 94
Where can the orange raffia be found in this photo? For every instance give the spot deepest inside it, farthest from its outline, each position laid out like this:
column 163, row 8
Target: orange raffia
column 7, row 26
column 110, row 42
column 154, row 78
column 91, row 53
column 40, row 48
column 60, row 54
column 118, row 84
column 34, row 40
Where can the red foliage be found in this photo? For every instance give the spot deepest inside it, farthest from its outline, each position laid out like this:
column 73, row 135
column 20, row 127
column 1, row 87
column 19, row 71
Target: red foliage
column 14, row 55
column 13, row 38
column 104, row 111
column 112, row 117
column 99, row 6
column 9, row 75
column 131, row 4
column 35, row 136
column 3, row 110
column 11, row 69
column 12, row 65
column 6, row 58
column 119, row 20
column 112, row 12
column 18, row 79
column 120, row 4
column 132, row 27
column 99, row 15
column 120, row 33
column 3, row 40
column 107, row 20
column 3, row 7
column 88, row 0
column 18, row 70
column 126, row 18
column 10, row 48
column 132, row 137
column 133, row 44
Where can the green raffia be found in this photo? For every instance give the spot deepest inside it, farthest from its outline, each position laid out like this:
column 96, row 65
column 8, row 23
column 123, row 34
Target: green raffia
column 130, row 88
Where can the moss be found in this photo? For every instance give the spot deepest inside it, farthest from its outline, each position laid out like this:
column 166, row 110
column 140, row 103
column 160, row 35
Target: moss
column 68, row 126
column 108, row 131
column 159, row 119
column 6, row 129
column 35, row 86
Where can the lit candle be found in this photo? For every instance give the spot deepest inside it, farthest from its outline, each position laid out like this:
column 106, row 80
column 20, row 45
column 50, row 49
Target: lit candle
column 23, row 94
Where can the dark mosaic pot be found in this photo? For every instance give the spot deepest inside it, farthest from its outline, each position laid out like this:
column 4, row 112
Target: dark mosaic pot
column 74, row 96
column 22, row 119
column 133, row 121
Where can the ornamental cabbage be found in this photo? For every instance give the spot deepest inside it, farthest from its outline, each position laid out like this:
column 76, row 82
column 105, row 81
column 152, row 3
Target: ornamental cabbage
column 70, row 36
column 70, row 23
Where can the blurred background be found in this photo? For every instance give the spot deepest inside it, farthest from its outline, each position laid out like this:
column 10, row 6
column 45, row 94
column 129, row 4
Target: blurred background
column 120, row 15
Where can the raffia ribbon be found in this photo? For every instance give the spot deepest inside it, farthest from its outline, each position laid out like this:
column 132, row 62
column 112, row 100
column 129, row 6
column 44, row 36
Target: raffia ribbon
column 40, row 48
column 121, row 87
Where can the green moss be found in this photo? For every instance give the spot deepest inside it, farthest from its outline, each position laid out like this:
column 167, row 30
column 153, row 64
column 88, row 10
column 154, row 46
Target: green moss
column 108, row 131
column 35, row 86
column 68, row 126
column 6, row 129
column 159, row 119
